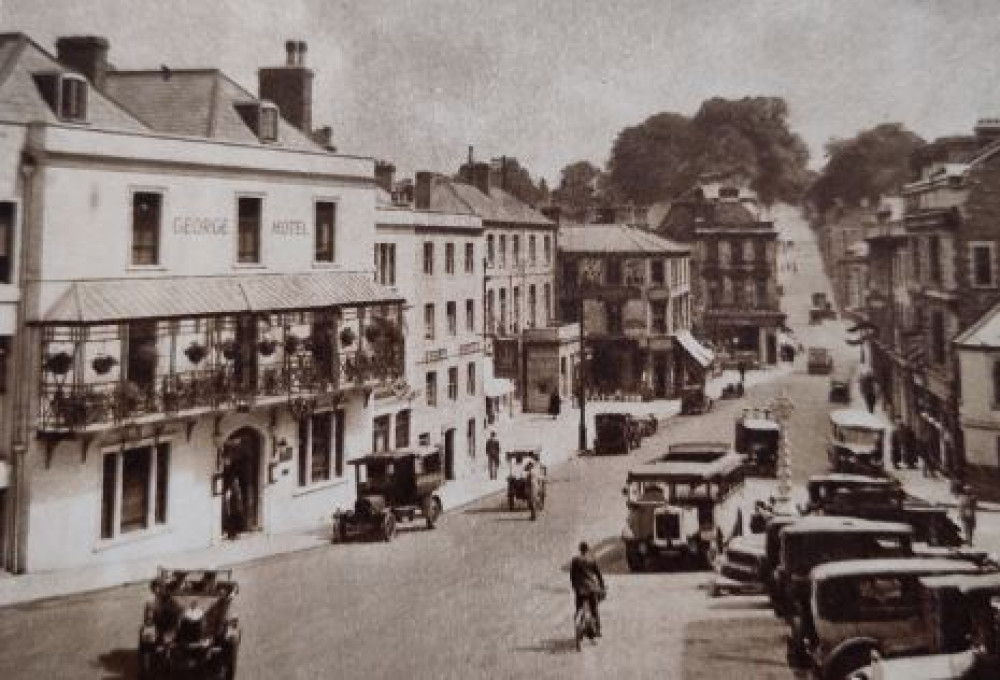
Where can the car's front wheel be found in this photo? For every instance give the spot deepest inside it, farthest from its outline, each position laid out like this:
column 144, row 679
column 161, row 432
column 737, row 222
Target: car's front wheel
column 846, row 664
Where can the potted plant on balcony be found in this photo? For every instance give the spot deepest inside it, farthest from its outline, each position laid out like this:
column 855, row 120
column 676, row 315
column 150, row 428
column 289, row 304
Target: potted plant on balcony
column 103, row 363
column 373, row 333
column 58, row 363
column 266, row 346
column 195, row 352
column 128, row 396
column 347, row 336
column 228, row 350
column 292, row 343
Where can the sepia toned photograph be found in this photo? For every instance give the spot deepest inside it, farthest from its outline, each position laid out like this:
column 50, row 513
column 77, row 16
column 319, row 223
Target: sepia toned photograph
column 500, row 339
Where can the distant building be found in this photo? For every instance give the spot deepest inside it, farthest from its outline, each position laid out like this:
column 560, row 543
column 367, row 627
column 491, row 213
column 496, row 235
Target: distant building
column 978, row 354
column 733, row 271
column 630, row 292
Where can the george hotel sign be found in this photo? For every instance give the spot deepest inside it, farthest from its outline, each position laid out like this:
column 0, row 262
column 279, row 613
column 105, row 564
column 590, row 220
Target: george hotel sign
column 220, row 226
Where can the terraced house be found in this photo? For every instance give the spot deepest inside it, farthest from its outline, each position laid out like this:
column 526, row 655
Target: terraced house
column 194, row 338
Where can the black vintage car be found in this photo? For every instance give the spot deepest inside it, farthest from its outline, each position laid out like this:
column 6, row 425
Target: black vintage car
column 758, row 437
column 392, row 487
column 187, row 628
column 616, row 433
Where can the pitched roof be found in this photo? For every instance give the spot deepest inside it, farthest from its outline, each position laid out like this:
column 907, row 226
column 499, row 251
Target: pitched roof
column 985, row 332
column 448, row 195
column 195, row 103
column 21, row 101
column 615, row 238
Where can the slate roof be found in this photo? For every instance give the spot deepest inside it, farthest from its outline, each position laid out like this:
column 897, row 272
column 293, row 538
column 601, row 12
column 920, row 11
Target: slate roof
column 195, row 103
column 448, row 195
column 22, row 102
column 615, row 238
column 105, row 301
column 985, row 332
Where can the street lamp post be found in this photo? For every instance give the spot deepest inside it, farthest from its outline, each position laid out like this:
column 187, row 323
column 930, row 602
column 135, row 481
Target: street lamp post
column 782, row 407
column 581, row 380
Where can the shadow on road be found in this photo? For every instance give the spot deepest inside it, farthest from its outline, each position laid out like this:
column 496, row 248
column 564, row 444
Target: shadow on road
column 740, row 603
column 119, row 664
column 751, row 648
column 552, row 646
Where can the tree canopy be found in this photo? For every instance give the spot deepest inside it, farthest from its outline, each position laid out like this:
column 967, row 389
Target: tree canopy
column 667, row 153
column 872, row 163
column 577, row 189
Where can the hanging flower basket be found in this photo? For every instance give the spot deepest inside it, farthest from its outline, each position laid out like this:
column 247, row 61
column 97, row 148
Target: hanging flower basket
column 266, row 347
column 347, row 337
column 58, row 363
column 195, row 352
column 103, row 363
column 228, row 350
column 292, row 343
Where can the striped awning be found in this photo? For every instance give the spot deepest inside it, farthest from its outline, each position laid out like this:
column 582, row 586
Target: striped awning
column 701, row 354
column 109, row 301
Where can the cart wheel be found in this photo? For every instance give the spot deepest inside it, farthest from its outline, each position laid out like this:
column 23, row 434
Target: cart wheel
column 388, row 527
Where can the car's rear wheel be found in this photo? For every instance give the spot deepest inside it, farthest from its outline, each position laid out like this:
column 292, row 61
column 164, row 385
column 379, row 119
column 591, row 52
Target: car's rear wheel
column 388, row 527
column 844, row 666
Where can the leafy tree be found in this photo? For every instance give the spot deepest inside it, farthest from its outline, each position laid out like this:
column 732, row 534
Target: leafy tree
column 653, row 161
column 872, row 163
column 577, row 189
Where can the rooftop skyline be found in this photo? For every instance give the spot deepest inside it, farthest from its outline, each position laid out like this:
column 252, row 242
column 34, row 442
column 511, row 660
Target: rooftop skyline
column 554, row 82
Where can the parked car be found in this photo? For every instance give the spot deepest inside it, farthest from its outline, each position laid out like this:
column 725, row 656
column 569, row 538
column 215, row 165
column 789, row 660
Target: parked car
column 745, row 560
column 517, row 481
column 813, row 541
column 961, row 618
column 819, row 361
column 187, row 627
column 826, row 489
column 694, row 400
column 758, row 437
column 617, row 433
column 686, row 503
column 393, row 487
column 860, row 606
column 857, row 442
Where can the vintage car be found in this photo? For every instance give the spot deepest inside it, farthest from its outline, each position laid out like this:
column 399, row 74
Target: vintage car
column 819, row 361
column 517, row 481
column 686, row 503
column 392, row 487
column 758, row 437
column 838, row 488
column 744, row 561
column 813, row 541
column 860, row 606
column 694, row 400
column 187, row 627
column 857, row 442
column 840, row 389
column 961, row 617
column 617, row 433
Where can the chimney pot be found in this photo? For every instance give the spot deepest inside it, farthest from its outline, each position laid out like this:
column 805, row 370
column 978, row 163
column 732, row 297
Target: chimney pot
column 303, row 48
column 481, row 177
column 384, row 172
column 291, row 47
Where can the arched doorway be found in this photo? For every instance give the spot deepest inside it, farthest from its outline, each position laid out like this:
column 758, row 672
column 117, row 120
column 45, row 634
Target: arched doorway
column 241, row 482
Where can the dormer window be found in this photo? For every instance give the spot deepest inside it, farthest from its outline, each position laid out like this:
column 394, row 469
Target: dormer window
column 65, row 93
column 262, row 118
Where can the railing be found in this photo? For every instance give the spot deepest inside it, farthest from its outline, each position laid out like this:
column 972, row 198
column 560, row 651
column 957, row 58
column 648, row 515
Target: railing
column 67, row 405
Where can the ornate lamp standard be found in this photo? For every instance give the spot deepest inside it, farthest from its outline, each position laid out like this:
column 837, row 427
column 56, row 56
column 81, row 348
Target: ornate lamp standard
column 782, row 407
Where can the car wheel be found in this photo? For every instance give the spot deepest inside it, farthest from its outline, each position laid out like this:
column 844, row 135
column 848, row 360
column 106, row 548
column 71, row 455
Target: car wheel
column 843, row 667
column 388, row 527
column 635, row 560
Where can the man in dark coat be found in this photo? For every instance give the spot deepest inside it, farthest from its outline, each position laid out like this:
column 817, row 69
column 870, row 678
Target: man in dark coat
column 555, row 404
column 588, row 583
column 493, row 454
column 896, row 443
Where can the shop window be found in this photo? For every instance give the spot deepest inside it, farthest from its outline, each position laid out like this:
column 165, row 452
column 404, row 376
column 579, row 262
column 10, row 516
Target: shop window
column 325, row 218
column 321, row 447
column 380, row 434
column 7, row 216
column 146, row 214
column 430, row 388
column 134, row 490
column 249, row 214
column 403, row 429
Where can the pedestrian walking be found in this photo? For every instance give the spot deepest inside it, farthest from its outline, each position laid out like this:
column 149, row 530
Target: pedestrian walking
column 555, row 404
column 531, row 484
column 588, row 584
column 909, row 443
column 742, row 367
column 967, row 506
column 867, row 386
column 493, row 454
column 896, row 443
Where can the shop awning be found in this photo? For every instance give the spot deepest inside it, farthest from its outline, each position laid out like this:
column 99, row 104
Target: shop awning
column 110, row 301
column 697, row 351
column 498, row 387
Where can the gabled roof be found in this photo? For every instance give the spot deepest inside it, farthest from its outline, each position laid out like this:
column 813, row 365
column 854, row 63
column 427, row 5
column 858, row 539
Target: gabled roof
column 615, row 238
column 21, row 101
column 984, row 333
column 194, row 103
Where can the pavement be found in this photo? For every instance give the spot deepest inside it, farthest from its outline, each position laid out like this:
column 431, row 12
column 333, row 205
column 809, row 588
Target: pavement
column 558, row 437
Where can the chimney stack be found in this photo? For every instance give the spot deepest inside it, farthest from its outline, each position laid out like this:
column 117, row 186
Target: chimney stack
column 422, row 191
column 384, row 173
column 481, row 177
column 86, row 54
column 290, row 86
column 987, row 131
